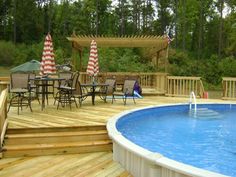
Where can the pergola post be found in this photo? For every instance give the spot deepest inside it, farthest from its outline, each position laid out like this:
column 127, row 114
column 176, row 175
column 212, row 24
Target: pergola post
column 166, row 58
column 157, row 59
column 80, row 60
column 74, row 58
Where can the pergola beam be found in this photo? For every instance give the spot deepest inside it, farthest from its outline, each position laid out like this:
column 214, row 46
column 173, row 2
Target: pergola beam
column 144, row 41
column 159, row 42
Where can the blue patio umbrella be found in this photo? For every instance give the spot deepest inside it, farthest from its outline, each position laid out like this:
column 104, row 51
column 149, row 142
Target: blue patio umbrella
column 30, row 66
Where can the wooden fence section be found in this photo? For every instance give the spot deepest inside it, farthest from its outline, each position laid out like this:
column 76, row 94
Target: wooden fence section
column 155, row 81
column 4, row 82
column 182, row 86
column 3, row 115
column 229, row 88
column 5, row 79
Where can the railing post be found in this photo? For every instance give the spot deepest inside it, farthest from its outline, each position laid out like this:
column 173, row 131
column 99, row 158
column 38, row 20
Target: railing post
column 3, row 116
column 182, row 86
column 229, row 88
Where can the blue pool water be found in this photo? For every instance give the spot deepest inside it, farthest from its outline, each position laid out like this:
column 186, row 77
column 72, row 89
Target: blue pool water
column 205, row 140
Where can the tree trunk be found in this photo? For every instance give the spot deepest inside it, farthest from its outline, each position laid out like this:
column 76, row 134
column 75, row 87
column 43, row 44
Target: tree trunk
column 4, row 15
column 14, row 37
column 135, row 17
column 200, row 30
column 50, row 16
column 184, row 26
column 176, row 23
column 221, row 7
column 96, row 17
column 122, row 23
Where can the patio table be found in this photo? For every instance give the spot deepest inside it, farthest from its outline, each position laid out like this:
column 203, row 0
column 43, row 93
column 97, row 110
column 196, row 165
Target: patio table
column 43, row 82
column 93, row 91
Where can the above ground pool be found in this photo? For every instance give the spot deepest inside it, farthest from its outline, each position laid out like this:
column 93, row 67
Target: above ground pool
column 204, row 138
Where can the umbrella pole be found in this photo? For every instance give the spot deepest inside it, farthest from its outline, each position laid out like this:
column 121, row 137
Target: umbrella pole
column 93, row 79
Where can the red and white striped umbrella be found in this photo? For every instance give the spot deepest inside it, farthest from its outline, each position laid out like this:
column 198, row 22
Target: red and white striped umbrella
column 93, row 67
column 48, row 65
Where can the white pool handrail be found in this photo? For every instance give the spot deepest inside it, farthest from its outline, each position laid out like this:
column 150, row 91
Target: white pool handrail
column 192, row 97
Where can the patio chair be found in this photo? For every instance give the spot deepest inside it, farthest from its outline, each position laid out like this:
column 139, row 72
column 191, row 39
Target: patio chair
column 33, row 88
column 65, row 94
column 80, row 93
column 127, row 91
column 19, row 88
column 107, row 90
column 67, row 76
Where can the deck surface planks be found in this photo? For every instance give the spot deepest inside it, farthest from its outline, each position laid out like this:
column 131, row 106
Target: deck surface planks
column 87, row 114
column 98, row 164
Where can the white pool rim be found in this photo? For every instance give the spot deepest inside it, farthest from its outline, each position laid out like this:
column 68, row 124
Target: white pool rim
column 142, row 162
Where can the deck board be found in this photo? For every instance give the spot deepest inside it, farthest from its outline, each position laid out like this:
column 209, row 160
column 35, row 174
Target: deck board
column 87, row 114
column 90, row 164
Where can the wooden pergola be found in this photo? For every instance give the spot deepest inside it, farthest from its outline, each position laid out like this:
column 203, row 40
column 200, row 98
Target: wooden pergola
column 159, row 43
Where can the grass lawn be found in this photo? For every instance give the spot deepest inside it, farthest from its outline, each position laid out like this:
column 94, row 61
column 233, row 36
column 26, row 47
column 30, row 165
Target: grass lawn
column 4, row 71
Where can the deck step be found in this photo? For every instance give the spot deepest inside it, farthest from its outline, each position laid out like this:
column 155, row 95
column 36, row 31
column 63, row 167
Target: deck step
column 55, row 129
column 56, row 145
column 56, row 148
column 56, row 140
column 35, row 138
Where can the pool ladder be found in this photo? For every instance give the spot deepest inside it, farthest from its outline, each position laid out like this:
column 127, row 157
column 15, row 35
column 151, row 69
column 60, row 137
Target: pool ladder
column 201, row 113
column 192, row 100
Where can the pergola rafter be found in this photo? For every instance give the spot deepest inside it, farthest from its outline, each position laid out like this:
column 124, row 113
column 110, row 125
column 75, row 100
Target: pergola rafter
column 159, row 43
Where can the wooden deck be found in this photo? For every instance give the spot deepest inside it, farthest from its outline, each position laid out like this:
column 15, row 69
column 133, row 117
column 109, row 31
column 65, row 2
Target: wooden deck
column 88, row 164
column 87, row 114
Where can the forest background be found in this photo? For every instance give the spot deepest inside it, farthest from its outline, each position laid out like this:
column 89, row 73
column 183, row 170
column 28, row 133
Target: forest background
column 204, row 33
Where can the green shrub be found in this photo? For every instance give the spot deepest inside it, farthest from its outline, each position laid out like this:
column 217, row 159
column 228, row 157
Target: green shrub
column 59, row 56
column 212, row 72
column 228, row 67
column 182, row 65
column 119, row 60
column 7, row 53
column 20, row 54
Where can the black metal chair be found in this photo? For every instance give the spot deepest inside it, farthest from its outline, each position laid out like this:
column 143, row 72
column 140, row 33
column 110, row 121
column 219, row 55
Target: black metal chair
column 81, row 93
column 127, row 91
column 67, row 77
column 33, row 88
column 19, row 88
column 65, row 94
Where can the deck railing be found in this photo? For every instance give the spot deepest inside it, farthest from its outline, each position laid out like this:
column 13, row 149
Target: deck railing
column 155, row 81
column 183, row 86
column 160, row 82
column 4, row 82
column 229, row 87
column 3, row 115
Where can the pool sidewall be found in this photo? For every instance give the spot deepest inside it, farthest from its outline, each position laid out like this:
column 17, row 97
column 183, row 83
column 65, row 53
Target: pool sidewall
column 139, row 161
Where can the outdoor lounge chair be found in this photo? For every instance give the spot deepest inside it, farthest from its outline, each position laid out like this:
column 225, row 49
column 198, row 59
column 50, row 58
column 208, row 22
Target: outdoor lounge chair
column 19, row 88
column 127, row 91
column 107, row 90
